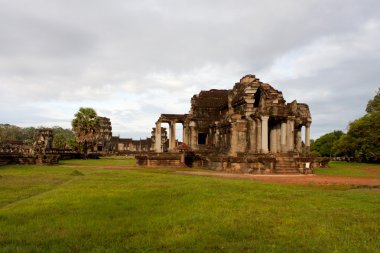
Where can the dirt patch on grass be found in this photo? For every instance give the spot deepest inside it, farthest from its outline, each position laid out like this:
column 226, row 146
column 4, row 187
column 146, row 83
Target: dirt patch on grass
column 372, row 171
column 292, row 179
column 102, row 166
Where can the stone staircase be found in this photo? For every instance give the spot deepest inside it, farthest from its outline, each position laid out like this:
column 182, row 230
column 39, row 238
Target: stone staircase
column 285, row 164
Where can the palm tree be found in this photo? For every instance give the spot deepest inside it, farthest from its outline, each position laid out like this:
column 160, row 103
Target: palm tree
column 86, row 126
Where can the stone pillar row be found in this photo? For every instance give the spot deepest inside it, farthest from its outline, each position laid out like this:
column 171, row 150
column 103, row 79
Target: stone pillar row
column 280, row 138
column 283, row 137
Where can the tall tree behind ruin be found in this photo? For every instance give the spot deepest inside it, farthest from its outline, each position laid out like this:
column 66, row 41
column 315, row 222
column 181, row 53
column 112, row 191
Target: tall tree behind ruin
column 63, row 138
column 374, row 104
column 362, row 140
column 14, row 133
column 324, row 144
column 86, row 125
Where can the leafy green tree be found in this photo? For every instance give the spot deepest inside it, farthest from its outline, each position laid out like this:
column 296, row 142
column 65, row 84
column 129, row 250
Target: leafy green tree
column 324, row 144
column 364, row 136
column 374, row 104
column 14, row 133
column 63, row 138
column 59, row 141
column 10, row 133
column 362, row 140
column 86, row 126
column 28, row 134
column 344, row 146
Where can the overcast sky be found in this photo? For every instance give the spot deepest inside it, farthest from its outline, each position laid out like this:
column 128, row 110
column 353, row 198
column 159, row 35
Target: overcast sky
column 133, row 60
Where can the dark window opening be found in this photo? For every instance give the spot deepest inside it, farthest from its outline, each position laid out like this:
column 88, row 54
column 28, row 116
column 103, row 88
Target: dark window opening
column 257, row 99
column 100, row 148
column 202, row 138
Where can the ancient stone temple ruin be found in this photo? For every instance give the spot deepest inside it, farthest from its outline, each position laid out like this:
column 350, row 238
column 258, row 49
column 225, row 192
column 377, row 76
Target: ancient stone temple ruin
column 249, row 129
column 103, row 143
column 43, row 143
column 41, row 152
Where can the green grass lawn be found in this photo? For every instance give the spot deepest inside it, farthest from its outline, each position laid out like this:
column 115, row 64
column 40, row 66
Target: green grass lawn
column 350, row 170
column 100, row 162
column 52, row 209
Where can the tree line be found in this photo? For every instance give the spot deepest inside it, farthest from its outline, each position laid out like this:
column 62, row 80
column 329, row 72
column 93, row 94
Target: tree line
column 62, row 138
column 362, row 140
column 83, row 135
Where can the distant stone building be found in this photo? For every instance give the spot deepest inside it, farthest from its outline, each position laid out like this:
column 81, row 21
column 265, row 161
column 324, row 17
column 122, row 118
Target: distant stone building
column 103, row 143
column 43, row 140
column 249, row 128
column 128, row 145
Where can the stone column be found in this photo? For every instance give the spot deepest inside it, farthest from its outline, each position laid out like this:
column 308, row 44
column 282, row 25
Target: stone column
column 273, row 140
column 172, row 136
column 240, row 134
column 307, row 136
column 278, row 137
column 233, row 139
column 290, row 134
column 283, row 137
column 252, row 136
column 185, row 134
column 210, row 137
column 217, row 136
column 193, row 136
column 299, row 139
column 157, row 144
column 258, row 136
column 264, row 133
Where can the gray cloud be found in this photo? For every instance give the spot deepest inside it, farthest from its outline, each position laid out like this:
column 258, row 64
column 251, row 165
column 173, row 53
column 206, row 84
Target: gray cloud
column 132, row 59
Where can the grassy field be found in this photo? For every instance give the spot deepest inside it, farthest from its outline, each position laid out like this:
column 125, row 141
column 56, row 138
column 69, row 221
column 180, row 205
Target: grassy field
column 115, row 161
column 83, row 209
column 350, row 170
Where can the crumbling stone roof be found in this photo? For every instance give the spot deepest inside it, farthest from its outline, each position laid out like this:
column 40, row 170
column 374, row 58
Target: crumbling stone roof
column 211, row 99
column 171, row 117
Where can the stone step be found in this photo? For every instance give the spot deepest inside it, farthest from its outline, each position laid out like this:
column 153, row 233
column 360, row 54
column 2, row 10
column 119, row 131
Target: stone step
column 286, row 168
column 287, row 172
column 286, row 164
